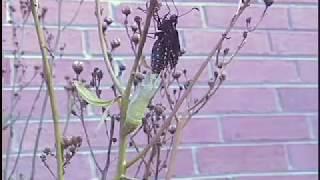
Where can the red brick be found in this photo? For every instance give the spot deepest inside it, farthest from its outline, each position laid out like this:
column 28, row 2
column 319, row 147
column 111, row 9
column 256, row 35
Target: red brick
column 303, row 156
column 74, row 129
column 184, row 166
column 196, row 63
column 78, row 162
column 63, row 68
column 308, row 71
column 261, row 72
column 201, row 131
column 295, row 43
column 96, row 133
column 182, row 64
column 220, row 160
column 236, row 100
column 72, row 38
column 291, row 177
column 28, row 96
column 202, row 42
column 299, row 99
column 192, row 19
column 85, row 15
column 124, row 49
column 220, row 16
column 304, row 18
column 265, row 128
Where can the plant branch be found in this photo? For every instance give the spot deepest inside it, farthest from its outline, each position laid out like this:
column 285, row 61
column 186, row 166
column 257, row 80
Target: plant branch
column 49, row 81
column 167, row 122
column 103, row 45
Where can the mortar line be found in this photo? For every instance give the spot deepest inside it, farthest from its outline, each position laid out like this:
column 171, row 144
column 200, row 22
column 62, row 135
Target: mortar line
column 277, row 100
column 186, row 57
column 98, row 150
column 286, row 151
column 310, row 127
column 195, row 161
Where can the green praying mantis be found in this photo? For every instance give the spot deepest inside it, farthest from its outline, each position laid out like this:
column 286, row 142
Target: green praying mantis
column 138, row 101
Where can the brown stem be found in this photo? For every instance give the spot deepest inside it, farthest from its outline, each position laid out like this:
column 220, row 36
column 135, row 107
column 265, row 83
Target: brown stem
column 105, row 53
column 167, row 122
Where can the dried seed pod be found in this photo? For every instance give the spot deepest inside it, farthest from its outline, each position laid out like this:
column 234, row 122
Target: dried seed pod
column 245, row 34
column 172, row 128
column 114, row 140
column 176, row 75
column 66, row 142
column 68, row 156
column 134, row 27
column 139, row 76
column 100, row 74
column 268, row 2
column 46, row 151
column 223, row 76
column 77, row 67
column 135, row 38
column 115, row 43
column 79, row 140
column 36, row 67
column 72, row 149
column 126, row 10
column 137, row 19
column 74, row 140
column 226, row 51
column 158, row 109
column 108, row 20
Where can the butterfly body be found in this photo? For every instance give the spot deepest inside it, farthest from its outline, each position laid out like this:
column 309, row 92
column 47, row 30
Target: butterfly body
column 166, row 49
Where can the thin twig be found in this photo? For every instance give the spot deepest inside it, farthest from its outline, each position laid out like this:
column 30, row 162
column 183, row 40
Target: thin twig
column 25, row 130
column 103, row 45
column 49, row 82
column 36, row 144
column 176, row 141
column 167, row 122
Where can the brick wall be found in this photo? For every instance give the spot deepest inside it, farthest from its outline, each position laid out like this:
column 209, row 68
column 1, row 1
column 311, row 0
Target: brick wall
column 263, row 122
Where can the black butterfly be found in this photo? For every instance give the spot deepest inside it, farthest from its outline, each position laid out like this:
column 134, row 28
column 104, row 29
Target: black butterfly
column 166, row 49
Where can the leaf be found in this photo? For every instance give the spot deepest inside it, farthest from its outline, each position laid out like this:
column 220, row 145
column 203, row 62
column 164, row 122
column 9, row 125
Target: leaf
column 91, row 97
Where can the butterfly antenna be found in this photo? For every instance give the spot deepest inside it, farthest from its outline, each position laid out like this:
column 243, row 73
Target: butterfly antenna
column 175, row 7
column 168, row 9
column 194, row 8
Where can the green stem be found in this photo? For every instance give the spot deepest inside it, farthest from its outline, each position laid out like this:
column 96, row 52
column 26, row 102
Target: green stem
column 49, row 81
column 122, row 157
column 125, row 99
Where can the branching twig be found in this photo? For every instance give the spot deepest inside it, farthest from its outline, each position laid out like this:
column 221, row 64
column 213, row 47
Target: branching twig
column 49, row 81
column 103, row 45
column 186, row 93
